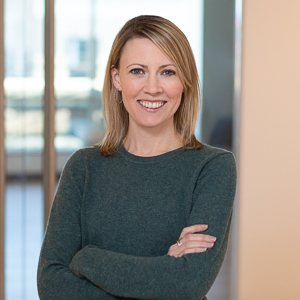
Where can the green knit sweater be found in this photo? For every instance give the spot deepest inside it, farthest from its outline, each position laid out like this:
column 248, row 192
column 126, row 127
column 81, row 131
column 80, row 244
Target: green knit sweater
column 114, row 218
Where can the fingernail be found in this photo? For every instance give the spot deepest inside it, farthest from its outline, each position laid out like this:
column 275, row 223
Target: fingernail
column 210, row 244
column 204, row 249
column 212, row 238
column 204, row 226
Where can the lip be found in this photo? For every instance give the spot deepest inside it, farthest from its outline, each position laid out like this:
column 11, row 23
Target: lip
column 151, row 109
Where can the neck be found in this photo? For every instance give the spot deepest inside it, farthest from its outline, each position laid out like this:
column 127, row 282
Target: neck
column 151, row 141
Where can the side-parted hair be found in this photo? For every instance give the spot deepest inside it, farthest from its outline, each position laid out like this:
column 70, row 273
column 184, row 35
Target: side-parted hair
column 174, row 44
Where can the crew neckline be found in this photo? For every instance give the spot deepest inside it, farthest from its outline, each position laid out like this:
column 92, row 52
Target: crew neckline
column 148, row 159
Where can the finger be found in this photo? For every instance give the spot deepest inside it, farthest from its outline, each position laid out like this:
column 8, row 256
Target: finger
column 174, row 250
column 193, row 229
column 199, row 237
column 179, row 242
column 196, row 250
column 189, row 247
column 196, row 244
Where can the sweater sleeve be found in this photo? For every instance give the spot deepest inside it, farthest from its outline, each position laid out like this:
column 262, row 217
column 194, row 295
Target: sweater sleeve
column 166, row 277
column 63, row 240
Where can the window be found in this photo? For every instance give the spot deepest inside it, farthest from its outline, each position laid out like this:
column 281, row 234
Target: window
column 84, row 32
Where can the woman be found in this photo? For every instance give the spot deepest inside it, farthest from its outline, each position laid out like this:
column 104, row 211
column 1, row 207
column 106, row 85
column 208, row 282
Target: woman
column 121, row 206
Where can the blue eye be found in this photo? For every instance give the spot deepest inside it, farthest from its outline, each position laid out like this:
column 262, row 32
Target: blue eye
column 136, row 71
column 169, row 72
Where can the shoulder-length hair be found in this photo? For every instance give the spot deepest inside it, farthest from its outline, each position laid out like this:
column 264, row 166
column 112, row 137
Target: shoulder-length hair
column 174, row 44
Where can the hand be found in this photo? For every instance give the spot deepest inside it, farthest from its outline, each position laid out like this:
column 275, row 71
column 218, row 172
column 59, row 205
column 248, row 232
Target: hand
column 190, row 241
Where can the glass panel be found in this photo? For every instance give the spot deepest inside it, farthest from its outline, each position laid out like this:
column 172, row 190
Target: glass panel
column 76, row 100
column 24, row 84
column 84, row 36
column 218, row 98
column 218, row 81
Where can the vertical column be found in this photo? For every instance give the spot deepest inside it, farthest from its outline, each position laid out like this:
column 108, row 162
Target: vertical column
column 49, row 158
column 218, row 97
column 2, row 151
column 236, row 144
column 218, row 72
column 269, row 164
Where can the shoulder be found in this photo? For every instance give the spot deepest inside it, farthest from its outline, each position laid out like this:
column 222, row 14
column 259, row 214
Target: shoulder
column 213, row 166
column 206, row 154
column 79, row 165
column 84, row 155
column 219, row 167
column 216, row 172
column 81, row 159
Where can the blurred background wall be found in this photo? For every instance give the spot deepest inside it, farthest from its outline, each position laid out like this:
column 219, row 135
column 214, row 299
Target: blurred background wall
column 263, row 257
column 269, row 162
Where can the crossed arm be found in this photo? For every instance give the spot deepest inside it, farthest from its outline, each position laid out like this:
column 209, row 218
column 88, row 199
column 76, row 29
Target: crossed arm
column 183, row 273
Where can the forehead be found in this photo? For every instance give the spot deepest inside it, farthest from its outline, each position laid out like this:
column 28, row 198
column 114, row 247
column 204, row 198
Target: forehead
column 144, row 51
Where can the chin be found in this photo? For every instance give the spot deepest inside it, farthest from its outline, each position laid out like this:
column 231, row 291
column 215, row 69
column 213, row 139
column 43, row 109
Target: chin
column 154, row 123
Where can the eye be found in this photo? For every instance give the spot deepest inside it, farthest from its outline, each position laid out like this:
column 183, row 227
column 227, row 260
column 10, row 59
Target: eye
column 168, row 72
column 136, row 71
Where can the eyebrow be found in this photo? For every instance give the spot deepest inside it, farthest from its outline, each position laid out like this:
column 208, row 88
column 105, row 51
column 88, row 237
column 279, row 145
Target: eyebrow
column 144, row 66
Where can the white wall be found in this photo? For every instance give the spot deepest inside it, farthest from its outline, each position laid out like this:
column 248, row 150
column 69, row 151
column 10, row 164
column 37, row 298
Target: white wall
column 269, row 166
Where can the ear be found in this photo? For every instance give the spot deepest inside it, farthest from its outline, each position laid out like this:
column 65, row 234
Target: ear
column 115, row 78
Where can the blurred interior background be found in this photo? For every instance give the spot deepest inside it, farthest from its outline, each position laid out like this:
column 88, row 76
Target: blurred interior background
column 251, row 104
column 83, row 35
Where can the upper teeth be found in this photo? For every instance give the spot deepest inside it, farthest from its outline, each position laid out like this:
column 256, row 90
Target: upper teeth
column 152, row 104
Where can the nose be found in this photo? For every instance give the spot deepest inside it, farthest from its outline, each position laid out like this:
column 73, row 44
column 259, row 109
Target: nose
column 153, row 85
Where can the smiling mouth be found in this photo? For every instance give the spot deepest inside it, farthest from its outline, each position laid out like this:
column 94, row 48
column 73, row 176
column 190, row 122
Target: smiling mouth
column 149, row 104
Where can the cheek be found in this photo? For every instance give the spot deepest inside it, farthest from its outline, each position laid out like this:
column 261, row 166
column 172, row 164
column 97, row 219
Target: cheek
column 175, row 91
column 130, row 89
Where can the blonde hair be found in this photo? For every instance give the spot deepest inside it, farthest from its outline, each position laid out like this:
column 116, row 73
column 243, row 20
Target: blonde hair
column 174, row 44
